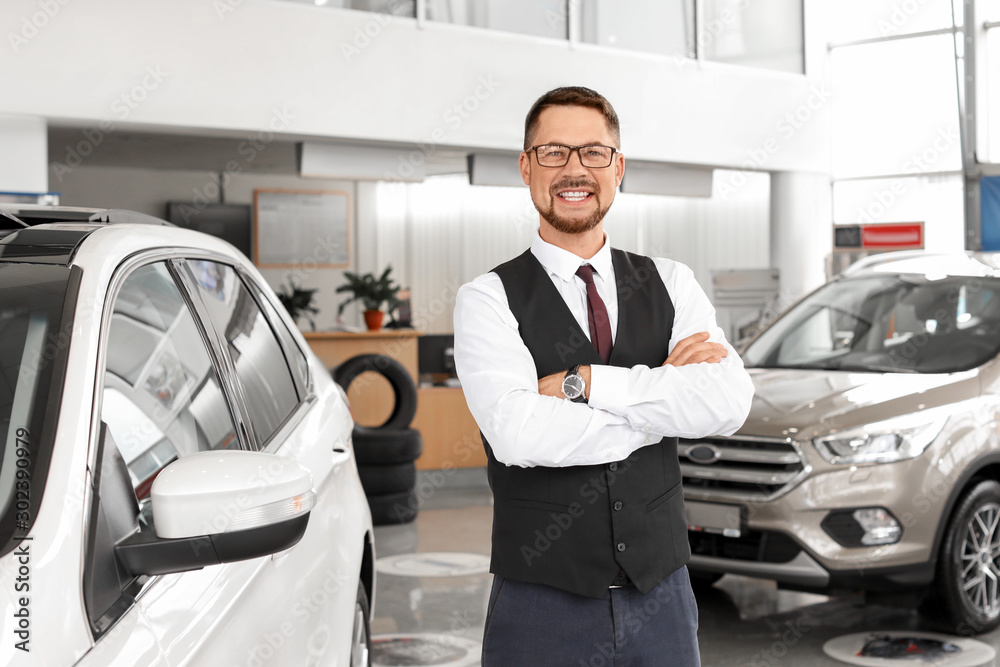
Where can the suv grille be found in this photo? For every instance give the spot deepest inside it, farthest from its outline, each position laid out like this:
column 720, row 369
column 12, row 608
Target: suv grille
column 740, row 468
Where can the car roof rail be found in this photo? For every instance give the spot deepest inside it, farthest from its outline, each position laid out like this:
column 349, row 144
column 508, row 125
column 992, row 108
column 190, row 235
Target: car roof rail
column 39, row 214
column 882, row 258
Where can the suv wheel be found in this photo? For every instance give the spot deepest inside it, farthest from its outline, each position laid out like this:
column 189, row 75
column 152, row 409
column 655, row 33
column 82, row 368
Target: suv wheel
column 966, row 595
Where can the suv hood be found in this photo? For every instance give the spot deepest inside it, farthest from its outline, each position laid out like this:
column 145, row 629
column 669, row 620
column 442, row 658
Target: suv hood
column 808, row 403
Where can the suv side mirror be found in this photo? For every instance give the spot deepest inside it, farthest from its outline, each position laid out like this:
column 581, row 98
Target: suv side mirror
column 219, row 507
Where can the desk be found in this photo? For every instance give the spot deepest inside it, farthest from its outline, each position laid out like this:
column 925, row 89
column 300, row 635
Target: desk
column 450, row 434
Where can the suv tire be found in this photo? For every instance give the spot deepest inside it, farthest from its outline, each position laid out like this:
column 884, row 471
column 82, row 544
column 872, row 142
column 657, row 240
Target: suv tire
column 381, row 447
column 967, row 601
column 405, row 406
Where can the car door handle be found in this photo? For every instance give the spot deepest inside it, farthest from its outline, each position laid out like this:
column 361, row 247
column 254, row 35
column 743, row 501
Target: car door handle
column 340, row 456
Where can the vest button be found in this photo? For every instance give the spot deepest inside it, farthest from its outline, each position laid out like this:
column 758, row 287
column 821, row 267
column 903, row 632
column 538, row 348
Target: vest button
column 621, row 546
column 612, row 466
column 618, row 505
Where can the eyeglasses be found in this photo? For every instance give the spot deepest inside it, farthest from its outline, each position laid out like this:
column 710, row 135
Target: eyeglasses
column 593, row 156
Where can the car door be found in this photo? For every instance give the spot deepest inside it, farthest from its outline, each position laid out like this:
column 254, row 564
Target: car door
column 291, row 609
column 162, row 396
column 170, row 389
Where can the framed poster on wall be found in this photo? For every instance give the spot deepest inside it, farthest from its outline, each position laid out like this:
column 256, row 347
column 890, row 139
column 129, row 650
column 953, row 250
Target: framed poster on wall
column 301, row 227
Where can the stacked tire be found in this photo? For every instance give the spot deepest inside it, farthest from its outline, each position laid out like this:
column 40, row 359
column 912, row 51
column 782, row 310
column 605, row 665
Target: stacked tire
column 386, row 453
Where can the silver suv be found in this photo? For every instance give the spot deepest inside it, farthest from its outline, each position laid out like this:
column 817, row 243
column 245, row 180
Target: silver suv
column 871, row 456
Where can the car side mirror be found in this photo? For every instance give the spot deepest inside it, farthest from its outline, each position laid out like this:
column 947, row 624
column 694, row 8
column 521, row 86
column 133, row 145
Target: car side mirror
column 220, row 507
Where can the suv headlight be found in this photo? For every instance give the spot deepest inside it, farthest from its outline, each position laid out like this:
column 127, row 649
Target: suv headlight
column 883, row 442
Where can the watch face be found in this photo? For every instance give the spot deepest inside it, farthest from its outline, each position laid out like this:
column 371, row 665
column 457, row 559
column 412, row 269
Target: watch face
column 573, row 386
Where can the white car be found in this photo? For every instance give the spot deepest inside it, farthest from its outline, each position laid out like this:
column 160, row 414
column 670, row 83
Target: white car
column 177, row 477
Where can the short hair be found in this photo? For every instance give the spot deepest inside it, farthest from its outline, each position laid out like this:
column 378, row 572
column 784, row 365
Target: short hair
column 571, row 96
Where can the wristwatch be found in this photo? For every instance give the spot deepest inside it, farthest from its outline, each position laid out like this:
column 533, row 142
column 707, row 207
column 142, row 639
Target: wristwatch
column 573, row 386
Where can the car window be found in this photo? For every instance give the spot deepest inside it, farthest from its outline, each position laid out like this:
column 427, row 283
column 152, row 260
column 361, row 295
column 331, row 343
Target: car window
column 36, row 320
column 257, row 355
column 162, row 398
column 901, row 323
column 299, row 365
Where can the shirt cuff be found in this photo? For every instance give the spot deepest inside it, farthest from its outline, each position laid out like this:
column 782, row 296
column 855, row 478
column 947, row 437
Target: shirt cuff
column 608, row 388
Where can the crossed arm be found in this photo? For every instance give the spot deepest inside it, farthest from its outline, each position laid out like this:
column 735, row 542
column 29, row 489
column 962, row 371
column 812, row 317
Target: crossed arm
column 694, row 349
column 528, row 422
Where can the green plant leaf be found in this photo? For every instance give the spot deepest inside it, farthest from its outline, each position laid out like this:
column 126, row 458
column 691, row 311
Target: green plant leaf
column 371, row 291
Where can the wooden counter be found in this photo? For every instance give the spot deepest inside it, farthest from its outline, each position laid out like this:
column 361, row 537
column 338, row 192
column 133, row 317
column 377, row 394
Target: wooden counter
column 450, row 435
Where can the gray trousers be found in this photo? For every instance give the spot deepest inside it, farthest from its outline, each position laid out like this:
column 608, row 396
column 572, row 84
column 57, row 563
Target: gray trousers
column 531, row 624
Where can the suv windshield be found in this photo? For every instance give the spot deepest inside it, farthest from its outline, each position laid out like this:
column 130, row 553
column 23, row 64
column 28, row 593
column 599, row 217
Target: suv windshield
column 902, row 323
column 34, row 340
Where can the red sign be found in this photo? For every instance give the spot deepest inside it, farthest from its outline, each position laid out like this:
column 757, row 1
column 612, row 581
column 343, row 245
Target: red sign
column 898, row 236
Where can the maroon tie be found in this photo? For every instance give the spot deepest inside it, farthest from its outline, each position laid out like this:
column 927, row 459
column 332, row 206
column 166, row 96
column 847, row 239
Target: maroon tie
column 597, row 314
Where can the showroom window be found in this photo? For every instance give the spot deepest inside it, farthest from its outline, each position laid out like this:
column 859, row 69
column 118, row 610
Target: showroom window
column 661, row 27
column 767, row 34
column 764, row 33
column 162, row 398
column 991, row 79
column 542, row 18
column 897, row 147
column 266, row 380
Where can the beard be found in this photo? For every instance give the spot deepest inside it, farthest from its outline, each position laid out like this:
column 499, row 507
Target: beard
column 572, row 225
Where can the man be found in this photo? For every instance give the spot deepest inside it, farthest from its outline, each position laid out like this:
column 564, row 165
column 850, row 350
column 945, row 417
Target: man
column 582, row 365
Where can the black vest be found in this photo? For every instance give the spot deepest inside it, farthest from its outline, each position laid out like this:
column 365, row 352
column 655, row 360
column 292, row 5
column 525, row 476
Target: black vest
column 573, row 528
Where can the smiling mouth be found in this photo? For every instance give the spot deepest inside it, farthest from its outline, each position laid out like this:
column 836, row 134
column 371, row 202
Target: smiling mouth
column 575, row 195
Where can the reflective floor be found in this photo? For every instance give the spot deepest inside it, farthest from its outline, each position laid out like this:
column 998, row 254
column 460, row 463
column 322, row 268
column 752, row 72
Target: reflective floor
column 743, row 621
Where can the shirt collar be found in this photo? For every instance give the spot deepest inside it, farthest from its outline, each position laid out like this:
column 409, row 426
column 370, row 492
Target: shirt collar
column 564, row 264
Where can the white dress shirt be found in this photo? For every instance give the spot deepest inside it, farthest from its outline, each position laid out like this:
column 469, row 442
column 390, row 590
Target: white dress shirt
column 628, row 408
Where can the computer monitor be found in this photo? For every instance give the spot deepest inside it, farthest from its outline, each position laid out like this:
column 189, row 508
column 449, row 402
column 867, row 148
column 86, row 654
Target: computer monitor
column 229, row 222
column 435, row 354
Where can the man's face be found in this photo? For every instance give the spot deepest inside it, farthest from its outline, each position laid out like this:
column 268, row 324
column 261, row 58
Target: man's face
column 573, row 198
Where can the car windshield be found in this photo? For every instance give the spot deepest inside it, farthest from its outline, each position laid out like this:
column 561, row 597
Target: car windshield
column 34, row 340
column 902, row 323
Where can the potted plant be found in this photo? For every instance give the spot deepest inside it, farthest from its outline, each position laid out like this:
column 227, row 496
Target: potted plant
column 297, row 301
column 373, row 293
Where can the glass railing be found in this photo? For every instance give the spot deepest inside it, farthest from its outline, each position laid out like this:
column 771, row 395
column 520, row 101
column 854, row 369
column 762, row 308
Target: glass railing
column 756, row 33
column 394, row 7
